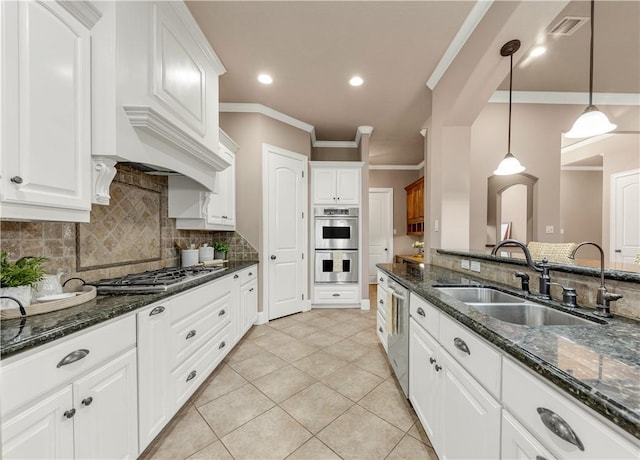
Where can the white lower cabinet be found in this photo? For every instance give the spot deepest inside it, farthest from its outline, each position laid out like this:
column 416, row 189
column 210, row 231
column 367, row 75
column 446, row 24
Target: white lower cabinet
column 248, row 305
column 79, row 398
column 460, row 417
column 518, row 443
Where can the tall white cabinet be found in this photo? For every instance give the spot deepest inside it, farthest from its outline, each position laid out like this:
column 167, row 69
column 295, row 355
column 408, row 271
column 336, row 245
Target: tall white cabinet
column 336, row 183
column 46, row 110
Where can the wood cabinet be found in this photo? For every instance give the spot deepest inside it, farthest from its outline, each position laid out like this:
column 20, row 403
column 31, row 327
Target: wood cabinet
column 198, row 209
column 415, row 207
column 76, row 399
column 336, row 183
column 46, row 110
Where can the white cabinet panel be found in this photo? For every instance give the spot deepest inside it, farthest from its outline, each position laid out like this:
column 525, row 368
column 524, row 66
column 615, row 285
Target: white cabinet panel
column 324, row 186
column 518, row 444
column 46, row 113
column 333, row 184
column 41, row 431
column 106, row 421
column 348, row 186
column 248, row 305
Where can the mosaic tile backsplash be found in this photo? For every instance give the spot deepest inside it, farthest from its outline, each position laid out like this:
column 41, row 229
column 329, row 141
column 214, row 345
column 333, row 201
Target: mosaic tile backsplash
column 63, row 245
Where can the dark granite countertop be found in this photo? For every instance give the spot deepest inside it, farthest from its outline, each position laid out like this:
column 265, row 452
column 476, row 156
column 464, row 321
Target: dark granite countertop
column 21, row 334
column 599, row 364
column 618, row 275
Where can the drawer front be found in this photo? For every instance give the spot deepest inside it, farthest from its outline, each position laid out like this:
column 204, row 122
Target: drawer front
column 188, row 377
column 383, row 279
column 195, row 300
column 476, row 356
column 381, row 331
column 36, row 374
column 383, row 301
column 191, row 332
column 425, row 314
column 248, row 274
column 534, row 403
column 336, row 294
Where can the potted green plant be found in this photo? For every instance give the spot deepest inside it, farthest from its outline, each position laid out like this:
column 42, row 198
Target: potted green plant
column 17, row 278
column 220, row 249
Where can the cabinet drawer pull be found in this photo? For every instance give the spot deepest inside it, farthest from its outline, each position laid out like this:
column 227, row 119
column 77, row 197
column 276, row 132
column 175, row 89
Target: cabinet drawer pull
column 191, row 375
column 336, row 295
column 235, row 277
column 380, row 329
column 17, row 180
column 421, row 312
column 381, row 302
column 382, row 280
column 250, row 273
column 156, row 311
column 432, row 360
column 87, row 401
column 192, row 333
column 437, row 367
column 222, row 313
column 559, row 427
column 461, row 345
column 70, row 413
column 251, row 290
column 73, row 357
column 222, row 345
column 540, row 457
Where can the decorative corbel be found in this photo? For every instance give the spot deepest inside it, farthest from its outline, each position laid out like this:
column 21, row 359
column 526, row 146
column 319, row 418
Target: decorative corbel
column 103, row 171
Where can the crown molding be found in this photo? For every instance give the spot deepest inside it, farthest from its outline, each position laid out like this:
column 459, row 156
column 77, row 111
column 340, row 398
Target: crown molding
column 551, row 97
column 227, row 141
column 84, row 11
column 398, row 167
column 423, row 132
column 468, row 26
column 246, row 107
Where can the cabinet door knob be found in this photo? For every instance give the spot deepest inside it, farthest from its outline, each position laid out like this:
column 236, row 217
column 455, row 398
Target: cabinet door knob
column 87, row 401
column 461, row 345
column 17, row 180
column 222, row 313
column 559, row 427
column 336, row 295
column 235, row 277
column 192, row 333
column 432, row 360
column 421, row 312
column 251, row 290
column 381, row 302
column 73, row 357
column 437, row 367
column 250, row 274
column 156, row 311
column 273, row 257
column 191, row 375
column 380, row 329
column 222, row 345
column 70, row 413
column 382, row 280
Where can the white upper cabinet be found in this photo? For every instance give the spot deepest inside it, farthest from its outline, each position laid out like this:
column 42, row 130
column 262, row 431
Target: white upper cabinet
column 46, row 110
column 155, row 90
column 198, row 209
column 336, row 183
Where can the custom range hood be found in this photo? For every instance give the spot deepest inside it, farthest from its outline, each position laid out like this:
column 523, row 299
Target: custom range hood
column 154, row 94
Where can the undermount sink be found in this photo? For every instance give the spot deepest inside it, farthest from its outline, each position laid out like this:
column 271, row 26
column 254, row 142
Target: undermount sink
column 479, row 295
column 511, row 309
column 530, row 314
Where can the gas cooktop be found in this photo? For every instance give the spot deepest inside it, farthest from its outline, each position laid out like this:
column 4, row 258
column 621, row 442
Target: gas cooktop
column 162, row 280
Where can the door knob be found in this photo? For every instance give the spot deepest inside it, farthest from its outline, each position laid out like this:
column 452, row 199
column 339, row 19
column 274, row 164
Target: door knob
column 273, row 257
column 385, row 249
column 16, row 180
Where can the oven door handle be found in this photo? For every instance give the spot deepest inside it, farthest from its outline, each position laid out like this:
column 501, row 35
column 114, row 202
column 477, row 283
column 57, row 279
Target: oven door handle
column 397, row 295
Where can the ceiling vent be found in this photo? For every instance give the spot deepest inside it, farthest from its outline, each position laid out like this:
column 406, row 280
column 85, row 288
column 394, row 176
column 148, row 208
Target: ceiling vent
column 567, row 25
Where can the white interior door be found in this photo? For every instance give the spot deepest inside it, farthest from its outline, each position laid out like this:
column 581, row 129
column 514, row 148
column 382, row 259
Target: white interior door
column 285, row 186
column 625, row 218
column 380, row 229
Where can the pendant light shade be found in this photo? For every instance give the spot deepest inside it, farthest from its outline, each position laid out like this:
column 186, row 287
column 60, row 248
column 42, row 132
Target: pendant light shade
column 592, row 122
column 510, row 164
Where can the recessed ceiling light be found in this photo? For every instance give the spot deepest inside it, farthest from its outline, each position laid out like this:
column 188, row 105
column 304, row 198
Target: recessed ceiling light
column 265, row 79
column 538, row 51
column 356, row 81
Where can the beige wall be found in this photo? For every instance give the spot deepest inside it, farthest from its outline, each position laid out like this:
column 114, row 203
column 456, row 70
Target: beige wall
column 335, row 154
column 514, row 210
column 398, row 180
column 581, row 209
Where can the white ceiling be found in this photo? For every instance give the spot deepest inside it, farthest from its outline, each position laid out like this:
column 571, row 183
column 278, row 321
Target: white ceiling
column 312, row 49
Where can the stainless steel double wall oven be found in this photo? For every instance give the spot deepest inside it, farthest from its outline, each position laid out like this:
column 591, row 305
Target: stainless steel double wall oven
column 336, row 245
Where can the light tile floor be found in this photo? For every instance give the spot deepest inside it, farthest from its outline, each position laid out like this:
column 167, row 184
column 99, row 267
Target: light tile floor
column 314, row 385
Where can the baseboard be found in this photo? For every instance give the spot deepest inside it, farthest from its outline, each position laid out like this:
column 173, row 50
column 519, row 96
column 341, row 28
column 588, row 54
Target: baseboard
column 306, row 306
column 262, row 318
column 365, row 304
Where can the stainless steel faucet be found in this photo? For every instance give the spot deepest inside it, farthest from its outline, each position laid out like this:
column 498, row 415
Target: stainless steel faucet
column 545, row 279
column 604, row 298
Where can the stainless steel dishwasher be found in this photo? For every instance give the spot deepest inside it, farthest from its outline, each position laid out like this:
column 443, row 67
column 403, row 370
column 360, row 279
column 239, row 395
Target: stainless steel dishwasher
column 398, row 341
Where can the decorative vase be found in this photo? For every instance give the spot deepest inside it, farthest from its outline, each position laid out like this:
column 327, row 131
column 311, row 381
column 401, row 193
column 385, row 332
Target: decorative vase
column 22, row 293
column 220, row 255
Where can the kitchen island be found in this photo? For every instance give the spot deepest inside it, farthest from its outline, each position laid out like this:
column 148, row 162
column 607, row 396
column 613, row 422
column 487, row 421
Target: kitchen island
column 596, row 364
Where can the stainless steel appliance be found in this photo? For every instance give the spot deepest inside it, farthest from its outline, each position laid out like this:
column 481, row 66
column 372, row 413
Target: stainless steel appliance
column 336, row 228
column 336, row 266
column 398, row 341
column 165, row 279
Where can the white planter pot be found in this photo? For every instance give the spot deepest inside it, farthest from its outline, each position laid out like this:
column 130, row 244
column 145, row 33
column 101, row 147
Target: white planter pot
column 22, row 293
column 220, row 255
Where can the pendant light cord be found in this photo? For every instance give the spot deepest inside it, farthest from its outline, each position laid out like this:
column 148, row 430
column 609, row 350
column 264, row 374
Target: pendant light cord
column 510, row 89
column 593, row 3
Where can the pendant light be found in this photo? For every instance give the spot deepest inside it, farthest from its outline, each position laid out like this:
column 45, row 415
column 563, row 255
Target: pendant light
column 592, row 122
column 510, row 164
